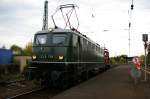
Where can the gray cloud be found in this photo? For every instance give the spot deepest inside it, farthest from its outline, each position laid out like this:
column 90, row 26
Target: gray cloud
column 20, row 19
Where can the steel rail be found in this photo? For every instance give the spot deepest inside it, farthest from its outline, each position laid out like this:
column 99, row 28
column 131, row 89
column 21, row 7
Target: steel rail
column 9, row 82
column 24, row 93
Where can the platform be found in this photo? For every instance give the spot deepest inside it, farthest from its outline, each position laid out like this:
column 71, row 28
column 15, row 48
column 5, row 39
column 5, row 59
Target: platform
column 115, row 83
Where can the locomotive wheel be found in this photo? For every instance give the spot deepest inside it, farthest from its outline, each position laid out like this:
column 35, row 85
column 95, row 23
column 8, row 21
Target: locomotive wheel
column 63, row 81
column 74, row 80
column 59, row 83
column 64, row 84
column 90, row 73
column 84, row 75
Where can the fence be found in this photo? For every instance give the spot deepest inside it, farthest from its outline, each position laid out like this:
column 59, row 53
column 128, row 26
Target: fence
column 147, row 71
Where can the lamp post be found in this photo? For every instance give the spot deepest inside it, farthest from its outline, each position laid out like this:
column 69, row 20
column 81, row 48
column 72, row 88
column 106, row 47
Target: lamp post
column 145, row 39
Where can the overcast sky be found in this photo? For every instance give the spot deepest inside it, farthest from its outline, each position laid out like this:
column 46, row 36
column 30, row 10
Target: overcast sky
column 104, row 21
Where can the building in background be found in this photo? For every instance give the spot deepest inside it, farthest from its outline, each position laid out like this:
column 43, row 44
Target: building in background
column 6, row 56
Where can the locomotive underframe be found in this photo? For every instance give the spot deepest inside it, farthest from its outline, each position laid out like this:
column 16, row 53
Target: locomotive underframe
column 63, row 73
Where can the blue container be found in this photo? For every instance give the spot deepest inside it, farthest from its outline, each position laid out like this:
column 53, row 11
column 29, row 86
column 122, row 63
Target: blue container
column 6, row 56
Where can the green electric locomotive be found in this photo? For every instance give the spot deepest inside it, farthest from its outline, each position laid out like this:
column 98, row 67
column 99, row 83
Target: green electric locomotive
column 64, row 56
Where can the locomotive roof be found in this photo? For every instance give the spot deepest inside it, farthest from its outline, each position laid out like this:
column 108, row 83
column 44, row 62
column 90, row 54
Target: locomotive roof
column 60, row 30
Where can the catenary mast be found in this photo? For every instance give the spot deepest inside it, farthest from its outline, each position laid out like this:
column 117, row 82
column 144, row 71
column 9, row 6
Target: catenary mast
column 130, row 16
column 45, row 16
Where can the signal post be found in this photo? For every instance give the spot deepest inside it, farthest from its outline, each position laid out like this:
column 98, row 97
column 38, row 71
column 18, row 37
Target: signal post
column 145, row 39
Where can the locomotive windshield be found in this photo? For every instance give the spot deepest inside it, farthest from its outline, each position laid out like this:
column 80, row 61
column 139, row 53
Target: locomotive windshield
column 59, row 39
column 41, row 39
column 51, row 39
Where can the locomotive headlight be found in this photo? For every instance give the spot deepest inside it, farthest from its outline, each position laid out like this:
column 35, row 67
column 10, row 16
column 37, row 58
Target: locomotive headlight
column 33, row 57
column 61, row 57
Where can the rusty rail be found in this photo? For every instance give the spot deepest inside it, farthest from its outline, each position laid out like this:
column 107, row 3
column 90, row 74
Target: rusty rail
column 24, row 93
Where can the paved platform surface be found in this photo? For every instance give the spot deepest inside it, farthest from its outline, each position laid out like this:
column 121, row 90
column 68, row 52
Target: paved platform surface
column 115, row 83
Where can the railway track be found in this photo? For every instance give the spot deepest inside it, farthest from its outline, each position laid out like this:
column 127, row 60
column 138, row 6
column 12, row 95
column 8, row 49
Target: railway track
column 39, row 93
column 23, row 93
column 8, row 89
column 22, row 89
column 10, row 82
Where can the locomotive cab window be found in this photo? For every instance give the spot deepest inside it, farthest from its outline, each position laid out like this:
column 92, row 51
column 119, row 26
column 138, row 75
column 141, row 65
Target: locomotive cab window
column 59, row 39
column 41, row 39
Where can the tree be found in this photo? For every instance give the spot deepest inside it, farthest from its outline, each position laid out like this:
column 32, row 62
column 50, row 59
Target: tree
column 28, row 49
column 122, row 59
column 16, row 49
